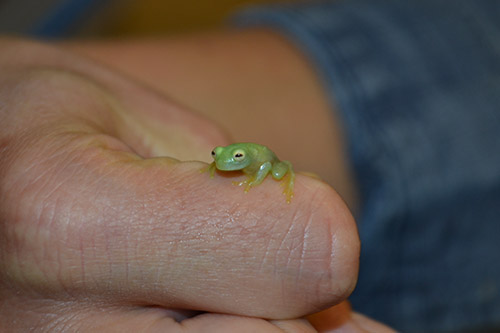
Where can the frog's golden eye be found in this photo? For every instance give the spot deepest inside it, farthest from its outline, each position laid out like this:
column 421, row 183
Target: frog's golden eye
column 239, row 155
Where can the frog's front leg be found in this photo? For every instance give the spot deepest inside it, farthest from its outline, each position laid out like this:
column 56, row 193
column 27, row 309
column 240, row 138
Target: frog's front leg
column 279, row 170
column 257, row 177
column 211, row 169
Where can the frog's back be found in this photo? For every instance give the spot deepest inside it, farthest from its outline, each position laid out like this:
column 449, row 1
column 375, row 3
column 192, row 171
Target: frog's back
column 261, row 153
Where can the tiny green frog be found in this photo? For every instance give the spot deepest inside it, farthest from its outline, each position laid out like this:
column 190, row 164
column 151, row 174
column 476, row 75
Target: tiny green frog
column 256, row 161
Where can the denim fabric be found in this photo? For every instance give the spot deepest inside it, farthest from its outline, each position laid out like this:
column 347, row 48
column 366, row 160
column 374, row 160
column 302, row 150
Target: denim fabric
column 65, row 17
column 417, row 84
column 47, row 19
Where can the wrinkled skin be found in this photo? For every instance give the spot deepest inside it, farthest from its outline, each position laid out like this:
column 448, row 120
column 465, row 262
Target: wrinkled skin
column 100, row 233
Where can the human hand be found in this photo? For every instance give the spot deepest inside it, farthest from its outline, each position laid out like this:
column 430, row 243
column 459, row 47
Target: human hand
column 100, row 233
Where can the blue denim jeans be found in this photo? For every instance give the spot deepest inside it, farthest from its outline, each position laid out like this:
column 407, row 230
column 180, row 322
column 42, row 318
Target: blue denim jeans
column 417, row 85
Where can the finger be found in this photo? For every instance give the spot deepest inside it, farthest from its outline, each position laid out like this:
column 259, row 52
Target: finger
column 40, row 77
column 140, row 319
column 340, row 318
column 227, row 323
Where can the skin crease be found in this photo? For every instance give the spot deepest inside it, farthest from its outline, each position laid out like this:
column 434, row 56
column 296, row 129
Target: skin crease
column 98, row 232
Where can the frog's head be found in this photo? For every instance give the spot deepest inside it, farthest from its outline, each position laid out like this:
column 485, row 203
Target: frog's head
column 232, row 157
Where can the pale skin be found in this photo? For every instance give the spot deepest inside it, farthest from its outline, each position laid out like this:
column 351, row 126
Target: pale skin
column 256, row 162
column 103, row 228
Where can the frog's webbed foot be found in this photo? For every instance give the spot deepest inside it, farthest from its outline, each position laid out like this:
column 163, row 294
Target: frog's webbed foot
column 235, row 183
column 247, row 182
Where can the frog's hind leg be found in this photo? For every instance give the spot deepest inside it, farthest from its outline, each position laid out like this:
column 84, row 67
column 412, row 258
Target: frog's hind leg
column 283, row 170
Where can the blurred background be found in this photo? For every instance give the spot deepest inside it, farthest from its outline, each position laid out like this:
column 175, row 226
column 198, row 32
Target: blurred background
column 115, row 18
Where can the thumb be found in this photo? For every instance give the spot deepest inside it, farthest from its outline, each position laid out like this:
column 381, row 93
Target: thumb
column 96, row 220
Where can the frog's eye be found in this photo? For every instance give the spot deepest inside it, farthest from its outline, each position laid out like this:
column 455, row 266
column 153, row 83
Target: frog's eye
column 213, row 152
column 239, row 155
